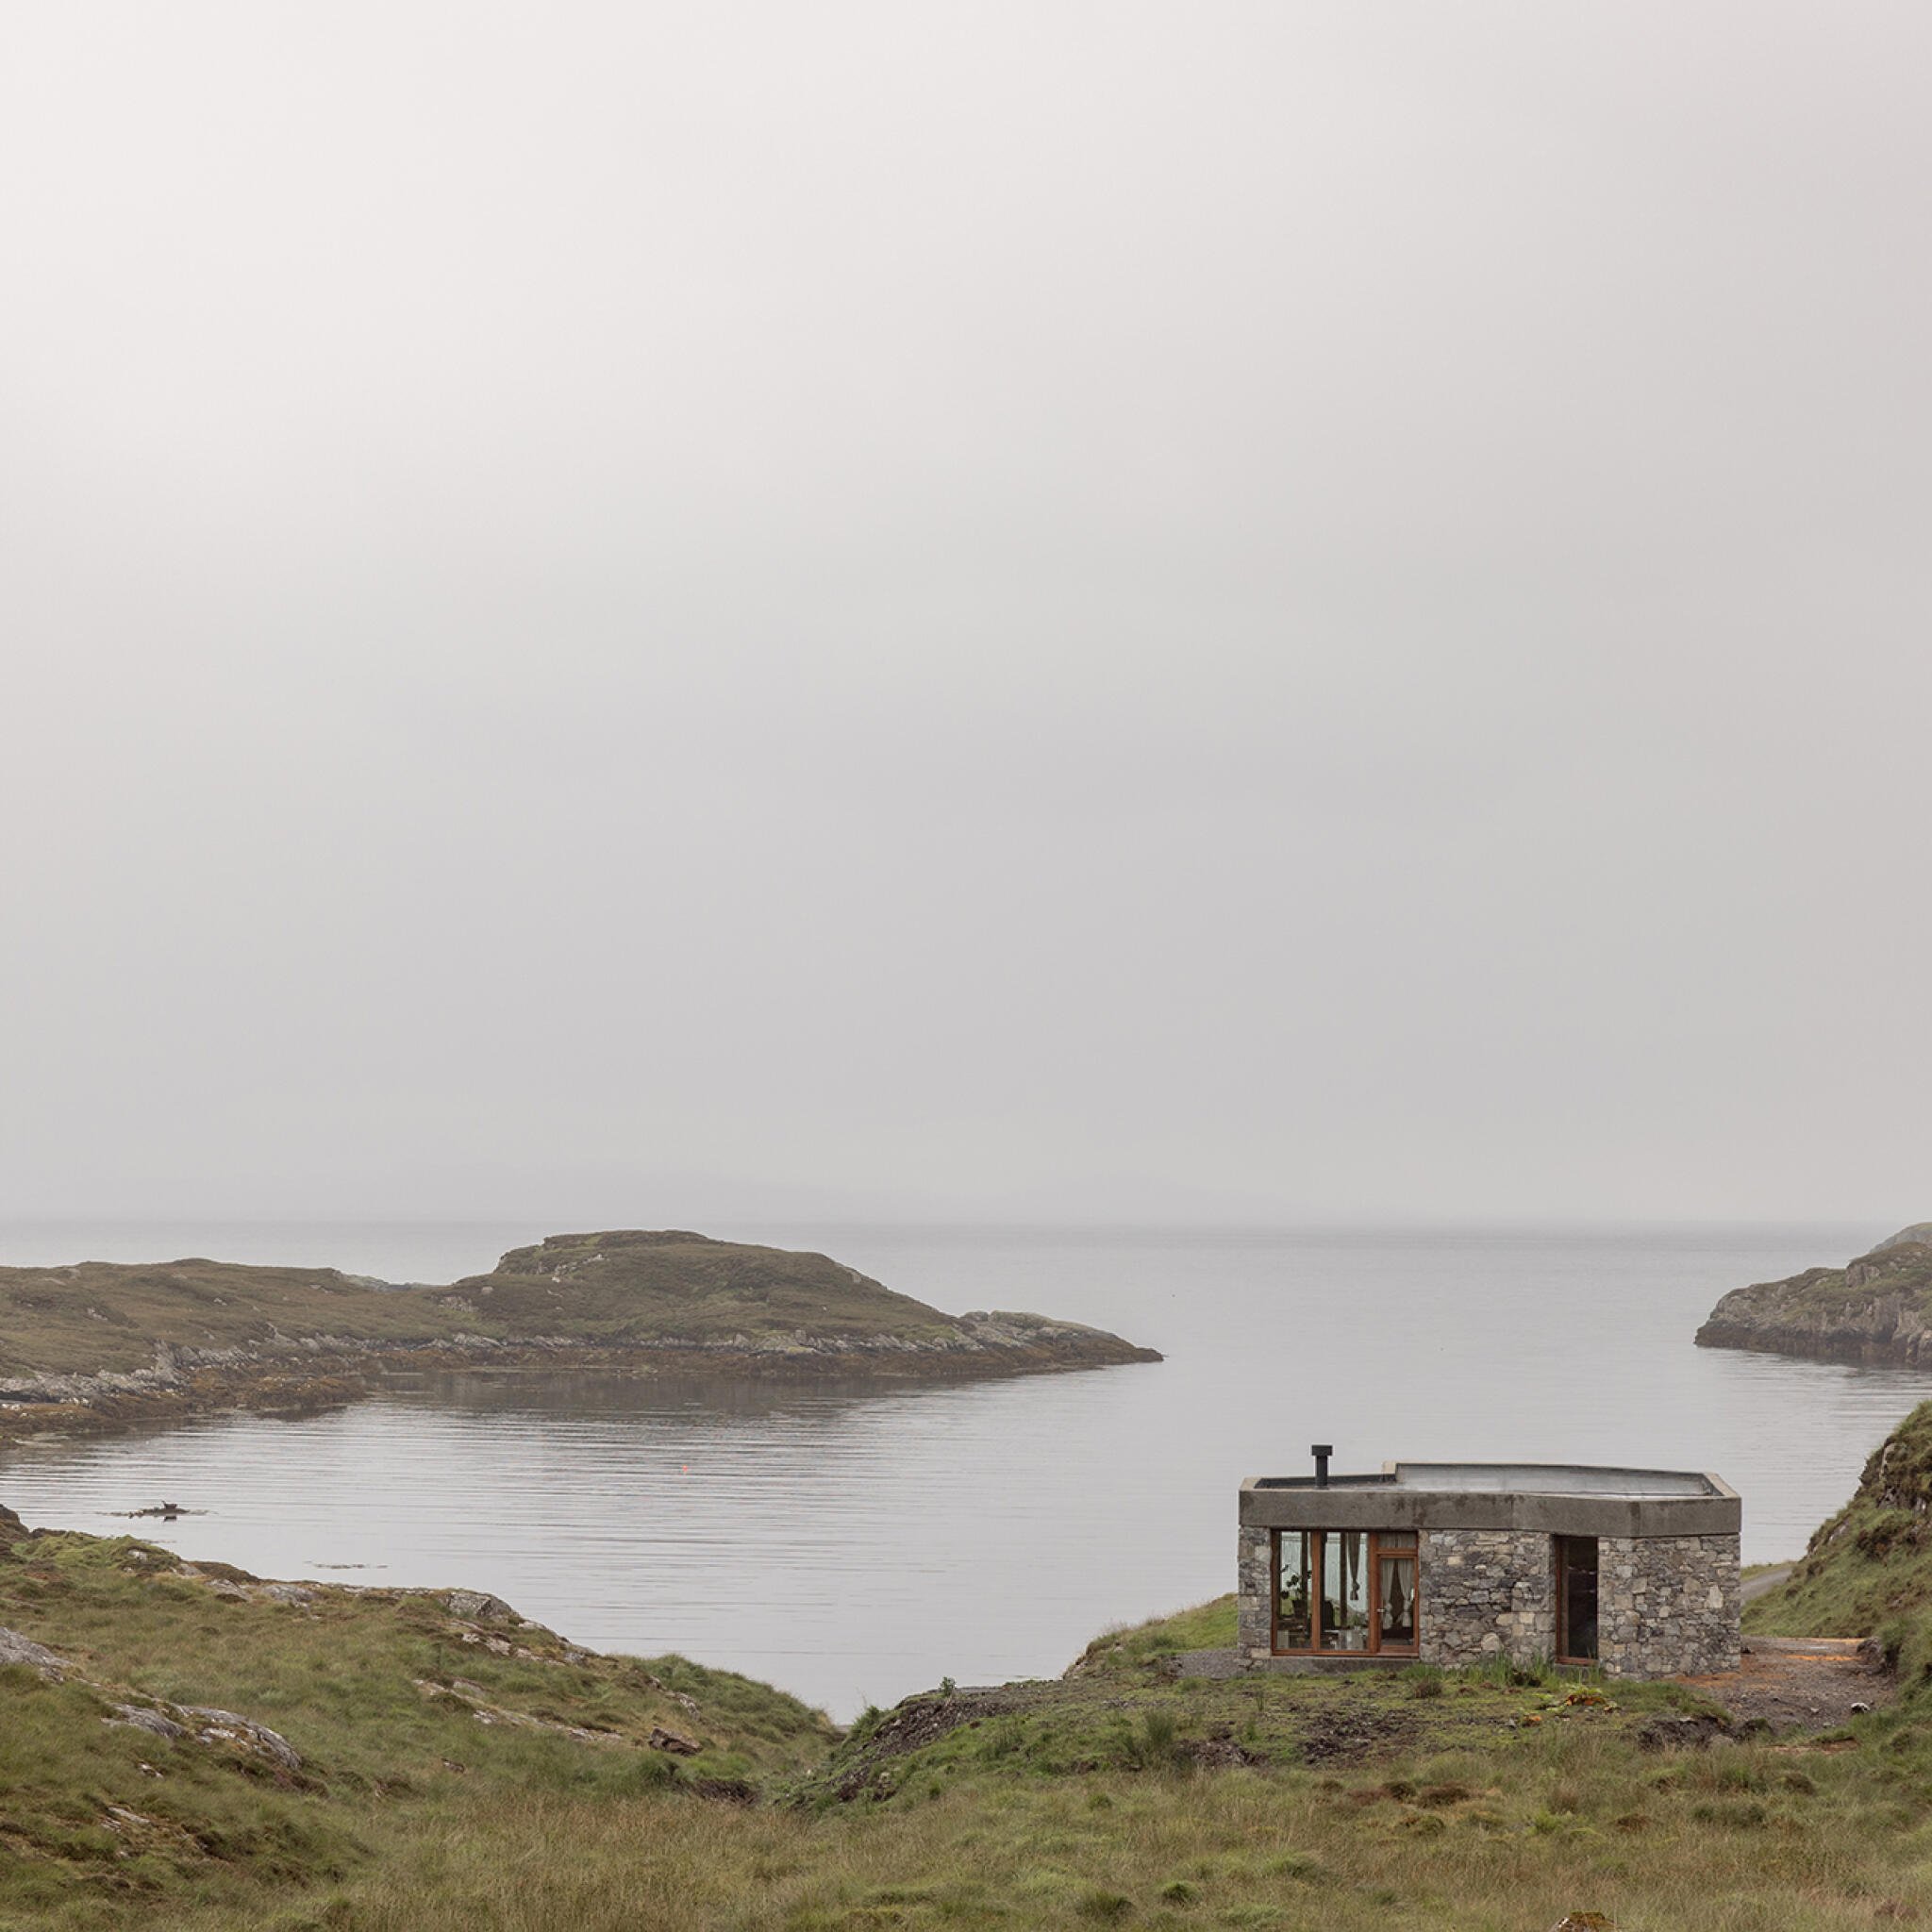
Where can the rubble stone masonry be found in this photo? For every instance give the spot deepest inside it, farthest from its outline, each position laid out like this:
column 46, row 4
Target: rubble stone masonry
column 1486, row 1592
column 1254, row 1609
column 1667, row 1606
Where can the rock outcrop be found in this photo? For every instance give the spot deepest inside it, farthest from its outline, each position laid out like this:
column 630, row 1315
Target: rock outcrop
column 16, row 1649
column 1877, row 1309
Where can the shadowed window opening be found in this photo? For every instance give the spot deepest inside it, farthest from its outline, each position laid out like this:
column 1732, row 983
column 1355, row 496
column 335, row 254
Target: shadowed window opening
column 1576, row 1599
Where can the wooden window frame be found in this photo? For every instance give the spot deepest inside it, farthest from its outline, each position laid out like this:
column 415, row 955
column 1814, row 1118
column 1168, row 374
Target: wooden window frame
column 1382, row 1543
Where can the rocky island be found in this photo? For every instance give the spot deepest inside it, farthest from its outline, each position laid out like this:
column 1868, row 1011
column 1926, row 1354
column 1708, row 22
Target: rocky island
column 109, row 1342
column 1877, row 1309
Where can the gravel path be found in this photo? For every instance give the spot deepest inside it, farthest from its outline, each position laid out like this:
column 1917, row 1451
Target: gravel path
column 1803, row 1683
column 1765, row 1581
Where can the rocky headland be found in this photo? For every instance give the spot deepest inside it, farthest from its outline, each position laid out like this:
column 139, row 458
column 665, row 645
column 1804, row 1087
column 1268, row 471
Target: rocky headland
column 1877, row 1309
column 103, row 1342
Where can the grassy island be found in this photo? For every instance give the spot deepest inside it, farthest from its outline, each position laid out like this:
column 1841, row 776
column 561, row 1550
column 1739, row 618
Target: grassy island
column 106, row 1343
column 184, row 1744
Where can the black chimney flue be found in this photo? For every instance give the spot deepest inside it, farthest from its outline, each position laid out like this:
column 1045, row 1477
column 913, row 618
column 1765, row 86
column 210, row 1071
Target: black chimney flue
column 1322, row 1452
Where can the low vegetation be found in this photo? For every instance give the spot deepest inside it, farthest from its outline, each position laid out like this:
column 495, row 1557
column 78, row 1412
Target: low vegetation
column 612, row 1290
column 457, row 1768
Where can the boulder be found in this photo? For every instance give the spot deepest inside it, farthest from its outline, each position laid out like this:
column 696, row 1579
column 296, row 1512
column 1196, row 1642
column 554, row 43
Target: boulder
column 16, row 1649
column 478, row 1606
column 229, row 1727
column 135, row 1716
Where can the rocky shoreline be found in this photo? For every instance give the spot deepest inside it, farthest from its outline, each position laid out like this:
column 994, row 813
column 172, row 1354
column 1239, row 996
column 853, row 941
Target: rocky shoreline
column 1877, row 1309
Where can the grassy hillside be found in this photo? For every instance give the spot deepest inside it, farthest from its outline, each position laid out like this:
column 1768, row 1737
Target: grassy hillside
column 636, row 1287
column 126, row 1782
column 1867, row 1571
column 431, row 1763
column 1485, row 1802
column 99, row 1316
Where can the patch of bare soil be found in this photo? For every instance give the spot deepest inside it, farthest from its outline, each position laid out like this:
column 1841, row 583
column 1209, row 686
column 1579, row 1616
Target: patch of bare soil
column 1800, row 1683
column 1346, row 1737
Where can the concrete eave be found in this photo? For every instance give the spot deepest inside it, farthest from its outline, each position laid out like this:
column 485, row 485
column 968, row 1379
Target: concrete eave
column 1384, row 1505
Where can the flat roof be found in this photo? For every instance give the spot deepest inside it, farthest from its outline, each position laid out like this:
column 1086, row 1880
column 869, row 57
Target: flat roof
column 1516, row 1478
column 1561, row 1498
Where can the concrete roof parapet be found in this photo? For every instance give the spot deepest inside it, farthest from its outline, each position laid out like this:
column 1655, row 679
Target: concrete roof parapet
column 1558, row 1499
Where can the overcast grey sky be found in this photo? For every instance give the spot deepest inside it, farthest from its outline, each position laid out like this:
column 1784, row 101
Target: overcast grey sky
column 646, row 612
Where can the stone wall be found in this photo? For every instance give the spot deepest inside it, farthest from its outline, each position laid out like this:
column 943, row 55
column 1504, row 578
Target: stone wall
column 1486, row 1591
column 1667, row 1606
column 1254, row 1611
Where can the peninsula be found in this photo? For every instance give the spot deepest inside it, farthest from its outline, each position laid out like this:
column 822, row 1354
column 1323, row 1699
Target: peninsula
column 109, row 1342
column 1877, row 1309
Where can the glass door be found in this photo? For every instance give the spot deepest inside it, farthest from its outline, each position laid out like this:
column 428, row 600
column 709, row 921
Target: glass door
column 1394, row 1594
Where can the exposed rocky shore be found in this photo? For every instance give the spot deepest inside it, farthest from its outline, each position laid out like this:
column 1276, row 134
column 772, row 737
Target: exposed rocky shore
column 1877, row 1309
column 104, row 1344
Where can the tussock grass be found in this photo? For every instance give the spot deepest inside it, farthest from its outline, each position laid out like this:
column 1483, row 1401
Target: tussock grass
column 1240, row 1849
column 1121, row 1796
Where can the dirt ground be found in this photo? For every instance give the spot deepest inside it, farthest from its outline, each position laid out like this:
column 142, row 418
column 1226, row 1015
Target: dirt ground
column 1805, row 1683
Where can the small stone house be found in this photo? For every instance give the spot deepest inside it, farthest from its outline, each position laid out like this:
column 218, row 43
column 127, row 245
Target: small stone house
column 1634, row 1571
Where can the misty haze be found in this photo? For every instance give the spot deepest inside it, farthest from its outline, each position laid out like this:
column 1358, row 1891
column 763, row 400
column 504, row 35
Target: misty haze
column 813, row 814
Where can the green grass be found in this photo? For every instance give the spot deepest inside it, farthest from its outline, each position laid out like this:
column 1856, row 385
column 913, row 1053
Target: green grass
column 378, row 1690
column 1206, row 1627
column 1119, row 1796
column 1482, row 1801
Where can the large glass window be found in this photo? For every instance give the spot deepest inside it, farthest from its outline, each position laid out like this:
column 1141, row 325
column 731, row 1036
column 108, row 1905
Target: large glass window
column 1342, row 1590
column 1294, row 1600
column 1345, row 1591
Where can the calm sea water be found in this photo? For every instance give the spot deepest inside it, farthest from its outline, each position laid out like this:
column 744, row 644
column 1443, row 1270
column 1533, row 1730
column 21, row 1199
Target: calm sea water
column 854, row 1545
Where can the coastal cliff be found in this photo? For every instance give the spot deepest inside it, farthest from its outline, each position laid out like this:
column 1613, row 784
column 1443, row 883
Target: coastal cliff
column 1877, row 1309
column 111, row 1342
